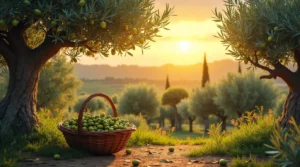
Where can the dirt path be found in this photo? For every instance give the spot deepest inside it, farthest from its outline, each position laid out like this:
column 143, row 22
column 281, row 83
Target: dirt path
column 149, row 157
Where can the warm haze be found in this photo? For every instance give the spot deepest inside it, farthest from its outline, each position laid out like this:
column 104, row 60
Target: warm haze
column 190, row 35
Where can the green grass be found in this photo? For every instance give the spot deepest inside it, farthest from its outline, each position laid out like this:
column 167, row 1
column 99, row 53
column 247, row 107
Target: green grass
column 249, row 138
column 143, row 135
column 251, row 162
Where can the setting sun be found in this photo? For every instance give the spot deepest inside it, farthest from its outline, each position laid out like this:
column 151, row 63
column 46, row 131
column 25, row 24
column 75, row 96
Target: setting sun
column 184, row 46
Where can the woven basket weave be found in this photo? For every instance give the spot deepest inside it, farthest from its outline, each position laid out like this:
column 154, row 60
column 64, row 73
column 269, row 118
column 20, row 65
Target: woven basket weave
column 97, row 143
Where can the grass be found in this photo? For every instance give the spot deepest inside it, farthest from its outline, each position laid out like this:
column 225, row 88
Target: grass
column 250, row 162
column 143, row 135
column 249, row 138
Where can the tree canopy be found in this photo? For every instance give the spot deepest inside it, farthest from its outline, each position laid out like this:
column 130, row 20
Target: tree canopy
column 139, row 99
column 88, row 26
column 173, row 96
column 238, row 93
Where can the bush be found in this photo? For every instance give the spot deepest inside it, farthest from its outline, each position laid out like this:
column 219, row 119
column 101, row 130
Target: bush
column 115, row 98
column 136, row 120
column 139, row 99
column 94, row 105
column 253, row 131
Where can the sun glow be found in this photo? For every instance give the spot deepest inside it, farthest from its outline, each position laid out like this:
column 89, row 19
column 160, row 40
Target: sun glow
column 184, row 46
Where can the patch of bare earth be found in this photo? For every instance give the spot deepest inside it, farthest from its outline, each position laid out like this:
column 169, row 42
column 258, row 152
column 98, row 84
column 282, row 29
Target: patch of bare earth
column 150, row 156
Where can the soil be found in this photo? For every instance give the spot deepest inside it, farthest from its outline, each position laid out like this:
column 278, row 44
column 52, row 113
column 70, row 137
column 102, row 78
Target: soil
column 149, row 156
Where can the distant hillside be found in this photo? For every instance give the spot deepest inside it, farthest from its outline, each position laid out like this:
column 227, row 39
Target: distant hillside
column 217, row 70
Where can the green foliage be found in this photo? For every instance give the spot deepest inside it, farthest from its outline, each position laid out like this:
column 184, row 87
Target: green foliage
column 115, row 98
column 239, row 93
column 173, row 96
column 202, row 101
column 286, row 145
column 136, row 120
column 253, row 132
column 57, row 86
column 267, row 27
column 166, row 111
column 102, row 25
column 250, row 162
column 279, row 105
column 184, row 110
column 139, row 99
column 94, row 105
column 205, row 75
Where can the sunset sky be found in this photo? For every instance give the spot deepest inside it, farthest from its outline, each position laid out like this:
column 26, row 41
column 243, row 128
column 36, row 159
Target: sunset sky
column 190, row 35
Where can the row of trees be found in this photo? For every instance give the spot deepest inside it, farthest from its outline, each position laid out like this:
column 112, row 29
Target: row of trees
column 229, row 98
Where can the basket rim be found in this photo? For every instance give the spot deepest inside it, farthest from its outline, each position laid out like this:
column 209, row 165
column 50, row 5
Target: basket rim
column 96, row 133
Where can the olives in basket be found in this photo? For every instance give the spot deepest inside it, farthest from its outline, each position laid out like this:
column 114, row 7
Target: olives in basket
column 102, row 123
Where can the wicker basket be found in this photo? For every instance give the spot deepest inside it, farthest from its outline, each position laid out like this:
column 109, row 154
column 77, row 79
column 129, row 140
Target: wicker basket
column 97, row 143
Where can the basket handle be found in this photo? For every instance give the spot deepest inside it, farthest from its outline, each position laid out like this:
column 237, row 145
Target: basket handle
column 84, row 105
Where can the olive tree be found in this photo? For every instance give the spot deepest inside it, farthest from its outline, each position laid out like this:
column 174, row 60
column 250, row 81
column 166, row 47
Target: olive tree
column 33, row 31
column 139, row 99
column 266, row 34
column 185, row 112
column 173, row 96
column 202, row 104
column 238, row 93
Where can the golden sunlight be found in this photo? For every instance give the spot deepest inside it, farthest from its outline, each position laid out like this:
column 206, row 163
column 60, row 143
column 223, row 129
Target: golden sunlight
column 184, row 46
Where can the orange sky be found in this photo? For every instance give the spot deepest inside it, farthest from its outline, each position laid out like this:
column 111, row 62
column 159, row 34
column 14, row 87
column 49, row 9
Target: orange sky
column 190, row 35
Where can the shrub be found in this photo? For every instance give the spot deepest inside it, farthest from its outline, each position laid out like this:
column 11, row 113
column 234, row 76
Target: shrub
column 115, row 98
column 139, row 99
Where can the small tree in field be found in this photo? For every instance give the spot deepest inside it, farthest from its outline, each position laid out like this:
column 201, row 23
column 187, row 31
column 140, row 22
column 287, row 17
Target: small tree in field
column 33, row 31
column 185, row 112
column 239, row 93
column 172, row 97
column 205, row 76
column 266, row 34
column 202, row 104
column 140, row 99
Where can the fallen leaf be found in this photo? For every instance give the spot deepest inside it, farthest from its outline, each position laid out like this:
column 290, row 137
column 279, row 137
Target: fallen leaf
column 152, row 152
column 166, row 161
column 194, row 161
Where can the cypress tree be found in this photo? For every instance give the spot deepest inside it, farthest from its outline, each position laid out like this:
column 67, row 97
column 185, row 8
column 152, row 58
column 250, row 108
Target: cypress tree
column 205, row 76
column 240, row 68
column 167, row 83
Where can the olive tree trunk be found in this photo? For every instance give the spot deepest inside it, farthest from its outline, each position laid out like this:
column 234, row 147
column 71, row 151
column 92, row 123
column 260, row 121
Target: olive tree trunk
column 18, row 108
column 191, row 120
column 291, row 109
